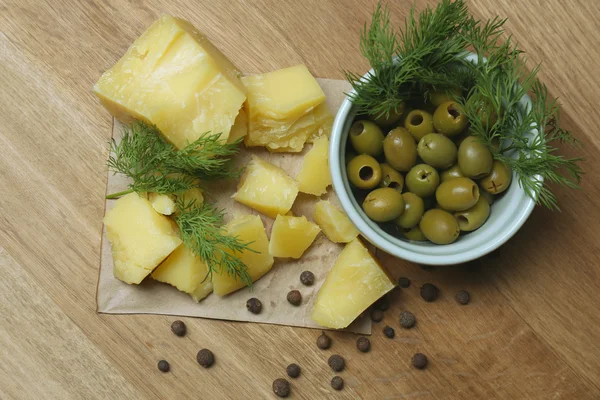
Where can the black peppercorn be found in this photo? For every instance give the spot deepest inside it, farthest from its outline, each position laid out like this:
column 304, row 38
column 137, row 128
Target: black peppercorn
column 307, row 278
column 404, row 282
column 323, row 341
column 407, row 319
column 336, row 362
column 389, row 332
column 178, row 328
column 163, row 366
column 254, row 305
column 429, row 292
column 293, row 370
column 419, row 361
column 281, row 387
column 463, row 297
column 337, row 383
column 206, row 358
column 294, row 297
column 363, row 344
column 383, row 303
column 376, row 315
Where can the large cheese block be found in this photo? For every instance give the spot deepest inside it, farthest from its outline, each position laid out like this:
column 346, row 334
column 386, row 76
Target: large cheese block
column 249, row 229
column 175, row 78
column 355, row 282
column 140, row 237
column 291, row 236
column 314, row 176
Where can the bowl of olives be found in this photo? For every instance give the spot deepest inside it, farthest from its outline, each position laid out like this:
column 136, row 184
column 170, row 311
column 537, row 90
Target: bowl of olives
column 420, row 187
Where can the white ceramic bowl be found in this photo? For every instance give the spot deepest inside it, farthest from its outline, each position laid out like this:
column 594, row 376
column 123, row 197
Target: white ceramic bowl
column 508, row 213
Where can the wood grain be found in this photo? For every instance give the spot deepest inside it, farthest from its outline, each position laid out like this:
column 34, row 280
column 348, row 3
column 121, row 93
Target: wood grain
column 531, row 332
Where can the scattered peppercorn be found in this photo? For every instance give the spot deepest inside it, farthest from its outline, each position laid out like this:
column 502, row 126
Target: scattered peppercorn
column 307, row 278
column 403, row 282
column 463, row 297
column 254, row 305
column 383, row 303
column 294, row 297
column 376, row 315
column 419, row 361
column 281, row 387
column 389, row 332
column 336, row 362
column 163, row 366
column 293, row 370
column 206, row 358
column 407, row 319
column 178, row 328
column 363, row 344
column 337, row 382
column 323, row 341
column 429, row 292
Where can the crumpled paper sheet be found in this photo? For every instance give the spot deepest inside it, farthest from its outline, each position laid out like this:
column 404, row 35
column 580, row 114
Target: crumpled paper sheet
column 151, row 297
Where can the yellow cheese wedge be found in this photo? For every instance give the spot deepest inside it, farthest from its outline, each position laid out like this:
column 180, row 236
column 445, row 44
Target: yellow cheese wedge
column 355, row 282
column 335, row 224
column 173, row 77
column 314, row 176
column 140, row 237
column 266, row 188
column 162, row 203
column 239, row 128
column 186, row 271
column 193, row 194
column 291, row 236
column 248, row 228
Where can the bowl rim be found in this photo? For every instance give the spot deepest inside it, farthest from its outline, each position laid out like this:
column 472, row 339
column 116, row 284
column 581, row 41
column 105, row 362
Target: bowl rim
column 344, row 114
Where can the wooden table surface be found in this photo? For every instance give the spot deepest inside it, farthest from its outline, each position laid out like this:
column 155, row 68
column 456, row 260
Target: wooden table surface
column 531, row 332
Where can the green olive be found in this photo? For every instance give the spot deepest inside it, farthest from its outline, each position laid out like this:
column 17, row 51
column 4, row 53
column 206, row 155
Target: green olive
column 391, row 178
column 414, row 207
column 498, row 179
column 439, row 226
column 422, row 180
column 414, row 233
column 364, row 172
column 457, row 194
column 437, row 150
column 442, row 96
column 449, row 119
column 366, row 138
column 474, row 217
column 383, row 204
column 392, row 119
column 486, row 195
column 485, row 111
column 474, row 158
column 419, row 123
column 400, row 149
column 451, row 173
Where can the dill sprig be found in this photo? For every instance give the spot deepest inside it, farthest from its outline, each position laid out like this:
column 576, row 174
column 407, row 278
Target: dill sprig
column 201, row 229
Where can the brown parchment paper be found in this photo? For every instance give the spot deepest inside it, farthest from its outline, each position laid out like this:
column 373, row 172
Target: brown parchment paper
column 151, row 297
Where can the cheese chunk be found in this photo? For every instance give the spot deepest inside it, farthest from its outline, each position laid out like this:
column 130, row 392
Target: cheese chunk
column 140, row 237
column 162, row 203
column 193, row 194
column 355, row 282
column 247, row 228
column 335, row 224
column 266, row 188
column 314, row 176
column 291, row 236
column 186, row 271
column 239, row 128
column 174, row 78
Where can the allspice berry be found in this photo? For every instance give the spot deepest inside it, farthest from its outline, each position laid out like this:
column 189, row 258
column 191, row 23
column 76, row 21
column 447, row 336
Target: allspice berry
column 323, row 341
column 363, row 344
column 403, row 282
column 429, row 292
column 293, row 370
column 294, row 297
column 336, row 362
column 163, row 366
column 407, row 319
column 463, row 297
column 206, row 358
column 389, row 332
column 337, row 383
column 419, row 361
column 178, row 327
column 307, row 278
column 281, row 387
column 254, row 305
column 376, row 315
